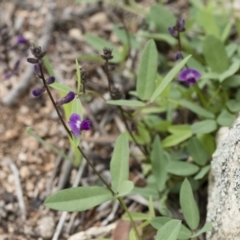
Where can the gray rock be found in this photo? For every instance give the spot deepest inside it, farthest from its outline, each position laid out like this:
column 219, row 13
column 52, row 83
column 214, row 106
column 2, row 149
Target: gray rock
column 224, row 187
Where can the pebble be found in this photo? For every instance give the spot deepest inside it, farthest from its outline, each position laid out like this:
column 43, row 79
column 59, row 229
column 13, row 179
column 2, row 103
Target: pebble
column 46, row 227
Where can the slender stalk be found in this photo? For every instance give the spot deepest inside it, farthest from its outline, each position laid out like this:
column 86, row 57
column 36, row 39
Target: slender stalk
column 130, row 217
column 69, row 133
column 84, row 155
column 144, row 151
column 120, row 109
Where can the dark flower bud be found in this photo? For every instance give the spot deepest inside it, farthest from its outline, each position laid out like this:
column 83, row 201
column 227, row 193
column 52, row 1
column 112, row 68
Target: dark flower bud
column 172, row 32
column 107, row 54
column 177, row 56
column 37, row 70
column 84, row 75
column 38, row 91
column 181, row 25
column 21, row 40
column 50, row 80
column 32, row 60
column 37, row 52
column 68, row 98
column 116, row 93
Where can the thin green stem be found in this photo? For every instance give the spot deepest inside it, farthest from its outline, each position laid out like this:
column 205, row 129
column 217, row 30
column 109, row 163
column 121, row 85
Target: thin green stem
column 201, row 96
column 130, row 217
column 213, row 97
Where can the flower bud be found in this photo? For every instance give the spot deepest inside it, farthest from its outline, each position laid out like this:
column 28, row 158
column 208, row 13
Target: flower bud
column 68, row 98
column 50, row 80
column 38, row 91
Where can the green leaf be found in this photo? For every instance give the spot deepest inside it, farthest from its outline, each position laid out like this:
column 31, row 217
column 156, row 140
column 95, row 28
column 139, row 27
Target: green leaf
column 197, row 3
column 162, row 37
column 158, row 222
column 179, row 128
column 127, row 103
column 159, row 164
column 197, row 152
column 137, row 216
column 157, row 10
column 168, row 78
column 231, row 71
column 207, row 227
column 189, row 206
column 48, row 66
column 196, row 109
column 99, row 43
column 233, row 105
column 205, row 126
column 225, row 118
column 169, row 231
column 125, row 188
column 78, row 76
column 119, row 166
column 208, row 142
column 124, row 36
column 207, row 21
column 232, row 82
column 147, row 71
column 146, row 192
column 78, row 198
column 202, row 172
column 215, row 54
column 182, row 168
column 63, row 89
column 176, row 138
column 226, row 32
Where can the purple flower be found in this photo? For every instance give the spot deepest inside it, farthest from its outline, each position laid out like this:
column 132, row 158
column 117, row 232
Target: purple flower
column 68, row 98
column 37, row 70
column 21, row 40
column 177, row 56
column 172, row 32
column 177, row 28
column 77, row 125
column 189, row 75
column 38, row 91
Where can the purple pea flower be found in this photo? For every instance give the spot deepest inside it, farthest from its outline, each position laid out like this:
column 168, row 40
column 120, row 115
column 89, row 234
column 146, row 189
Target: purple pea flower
column 77, row 125
column 68, row 98
column 21, row 40
column 189, row 75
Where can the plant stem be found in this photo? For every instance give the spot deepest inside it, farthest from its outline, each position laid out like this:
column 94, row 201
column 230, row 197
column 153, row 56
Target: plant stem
column 130, row 217
column 144, row 151
column 69, row 133
column 121, row 110
column 84, row 155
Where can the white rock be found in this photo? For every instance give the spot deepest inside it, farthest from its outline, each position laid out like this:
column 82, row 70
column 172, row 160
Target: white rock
column 224, row 187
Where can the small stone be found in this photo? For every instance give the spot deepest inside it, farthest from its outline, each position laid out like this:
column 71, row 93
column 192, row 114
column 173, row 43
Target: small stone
column 24, row 172
column 46, row 227
column 75, row 33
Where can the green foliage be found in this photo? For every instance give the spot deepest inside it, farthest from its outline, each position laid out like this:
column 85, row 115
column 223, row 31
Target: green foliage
column 119, row 163
column 169, row 231
column 159, row 164
column 189, row 206
column 78, row 198
column 186, row 117
column 147, row 71
column 215, row 54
